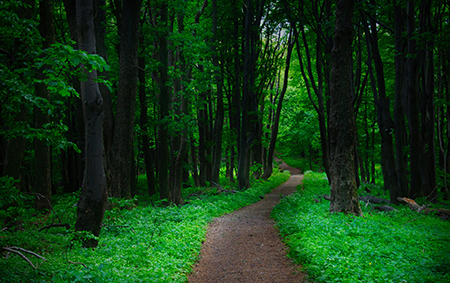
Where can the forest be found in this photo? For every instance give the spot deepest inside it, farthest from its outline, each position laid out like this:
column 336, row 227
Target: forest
column 127, row 125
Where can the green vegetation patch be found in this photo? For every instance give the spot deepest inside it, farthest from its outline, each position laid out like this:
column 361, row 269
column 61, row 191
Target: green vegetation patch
column 137, row 243
column 398, row 246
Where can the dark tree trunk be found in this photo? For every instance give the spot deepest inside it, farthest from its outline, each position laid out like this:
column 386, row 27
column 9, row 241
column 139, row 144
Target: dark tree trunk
column 76, row 127
column 108, row 122
column 144, row 122
column 122, row 150
column 202, row 139
column 92, row 203
column 411, row 98
column 399, row 114
column 242, row 176
column 43, row 179
column 180, row 142
column 382, row 104
column 342, row 128
column 218, row 125
column 164, row 104
column 428, row 135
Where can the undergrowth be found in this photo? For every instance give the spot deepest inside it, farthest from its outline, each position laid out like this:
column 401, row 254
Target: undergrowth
column 398, row 246
column 138, row 243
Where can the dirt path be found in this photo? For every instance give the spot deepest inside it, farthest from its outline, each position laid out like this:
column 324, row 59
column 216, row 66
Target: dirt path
column 244, row 246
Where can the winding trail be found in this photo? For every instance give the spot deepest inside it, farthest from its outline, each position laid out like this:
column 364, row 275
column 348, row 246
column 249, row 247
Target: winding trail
column 244, row 246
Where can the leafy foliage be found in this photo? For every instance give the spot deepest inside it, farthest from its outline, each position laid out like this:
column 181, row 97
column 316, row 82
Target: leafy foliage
column 399, row 246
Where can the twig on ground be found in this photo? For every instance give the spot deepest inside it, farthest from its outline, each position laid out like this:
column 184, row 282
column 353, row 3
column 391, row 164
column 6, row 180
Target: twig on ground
column 55, row 225
column 18, row 251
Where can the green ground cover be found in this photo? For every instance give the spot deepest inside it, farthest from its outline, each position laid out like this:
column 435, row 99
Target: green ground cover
column 398, row 246
column 138, row 242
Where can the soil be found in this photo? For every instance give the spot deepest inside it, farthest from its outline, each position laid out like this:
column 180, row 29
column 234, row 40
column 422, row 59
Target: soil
column 245, row 246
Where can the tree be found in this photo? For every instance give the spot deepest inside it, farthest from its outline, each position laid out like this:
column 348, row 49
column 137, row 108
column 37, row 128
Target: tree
column 122, row 166
column 43, row 184
column 342, row 121
column 92, row 203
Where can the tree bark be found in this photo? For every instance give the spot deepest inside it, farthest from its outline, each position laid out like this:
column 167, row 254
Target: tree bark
column 411, row 99
column 382, row 104
column 399, row 110
column 43, row 179
column 218, row 125
column 164, row 103
column 122, row 151
column 342, row 121
column 92, row 203
column 144, row 121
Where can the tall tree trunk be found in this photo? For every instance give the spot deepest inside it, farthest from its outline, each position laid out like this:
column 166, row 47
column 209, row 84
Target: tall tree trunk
column 342, row 128
column 411, row 98
column 43, row 180
column 76, row 130
column 108, row 122
column 122, row 150
column 382, row 104
column 144, row 121
column 164, row 102
column 243, row 178
column 218, row 125
column 428, row 136
column 399, row 110
column 92, row 203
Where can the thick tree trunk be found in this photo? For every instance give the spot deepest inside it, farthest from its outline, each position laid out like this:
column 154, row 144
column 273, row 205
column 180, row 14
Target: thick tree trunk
column 122, row 150
column 92, row 203
column 342, row 121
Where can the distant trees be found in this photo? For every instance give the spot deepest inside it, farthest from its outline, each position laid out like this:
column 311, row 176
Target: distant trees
column 212, row 77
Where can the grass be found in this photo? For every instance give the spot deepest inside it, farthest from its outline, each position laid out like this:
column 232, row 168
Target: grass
column 399, row 246
column 138, row 243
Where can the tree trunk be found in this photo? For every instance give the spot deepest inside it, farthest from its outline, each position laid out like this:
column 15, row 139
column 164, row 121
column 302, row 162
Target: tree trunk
column 164, row 103
column 43, row 180
column 92, row 203
column 428, row 135
column 382, row 104
column 399, row 114
column 411, row 98
column 342, row 121
column 144, row 122
column 122, row 150
column 218, row 125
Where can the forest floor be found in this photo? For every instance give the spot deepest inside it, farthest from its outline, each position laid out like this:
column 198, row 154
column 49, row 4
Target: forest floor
column 245, row 246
